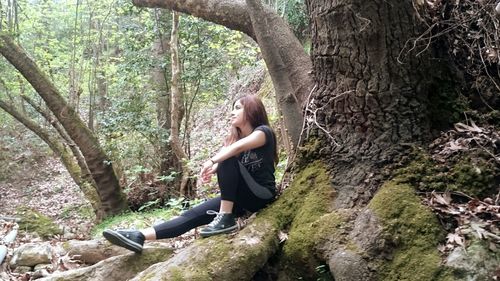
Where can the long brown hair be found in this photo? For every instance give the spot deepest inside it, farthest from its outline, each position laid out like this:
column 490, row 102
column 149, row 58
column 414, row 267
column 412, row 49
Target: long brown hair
column 255, row 113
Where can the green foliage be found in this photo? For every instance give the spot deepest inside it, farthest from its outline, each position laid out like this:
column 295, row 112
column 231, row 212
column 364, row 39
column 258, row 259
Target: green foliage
column 323, row 272
column 294, row 12
column 211, row 55
column 112, row 40
column 168, row 178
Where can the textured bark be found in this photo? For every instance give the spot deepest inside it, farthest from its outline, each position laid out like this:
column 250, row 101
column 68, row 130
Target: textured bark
column 88, row 252
column 372, row 105
column 283, row 77
column 112, row 198
column 122, row 267
column 63, row 153
column 289, row 66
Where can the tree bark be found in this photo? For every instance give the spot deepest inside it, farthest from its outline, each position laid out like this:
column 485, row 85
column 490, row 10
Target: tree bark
column 112, row 198
column 368, row 107
column 229, row 13
column 287, row 94
column 177, row 107
column 88, row 188
column 372, row 105
column 159, row 78
column 289, row 65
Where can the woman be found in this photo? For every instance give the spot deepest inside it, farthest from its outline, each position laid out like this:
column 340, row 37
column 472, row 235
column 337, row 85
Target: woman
column 245, row 173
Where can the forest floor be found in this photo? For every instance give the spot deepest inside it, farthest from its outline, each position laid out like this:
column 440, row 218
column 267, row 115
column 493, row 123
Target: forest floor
column 45, row 186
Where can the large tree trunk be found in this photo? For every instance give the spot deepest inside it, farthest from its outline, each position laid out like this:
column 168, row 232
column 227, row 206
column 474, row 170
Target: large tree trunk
column 288, row 63
column 112, row 198
column 372, row 92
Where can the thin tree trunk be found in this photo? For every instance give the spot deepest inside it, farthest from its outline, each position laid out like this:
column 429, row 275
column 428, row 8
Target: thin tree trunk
column 111, row 195
column 177, row 105
column 66, row 156
column 74, row 96
column 160, row 78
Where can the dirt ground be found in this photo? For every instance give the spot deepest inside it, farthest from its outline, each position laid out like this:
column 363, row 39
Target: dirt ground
column 45, row 185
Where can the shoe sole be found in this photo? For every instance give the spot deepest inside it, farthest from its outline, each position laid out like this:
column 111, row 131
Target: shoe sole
column 122, row 241
column 222, row 231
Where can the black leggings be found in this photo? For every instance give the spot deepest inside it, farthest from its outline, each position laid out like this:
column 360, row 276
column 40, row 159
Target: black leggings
column 233, row 188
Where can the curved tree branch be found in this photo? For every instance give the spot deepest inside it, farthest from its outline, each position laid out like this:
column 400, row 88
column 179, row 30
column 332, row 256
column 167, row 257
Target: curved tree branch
column 229, row 13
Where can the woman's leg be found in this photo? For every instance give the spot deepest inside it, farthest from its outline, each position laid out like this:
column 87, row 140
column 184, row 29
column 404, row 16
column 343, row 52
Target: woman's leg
column 228, row 177
column 235, row 193
column 188, row 220
column 134, row 239
column 235, row 189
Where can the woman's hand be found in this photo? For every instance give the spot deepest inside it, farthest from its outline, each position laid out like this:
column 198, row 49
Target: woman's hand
column 207, row 170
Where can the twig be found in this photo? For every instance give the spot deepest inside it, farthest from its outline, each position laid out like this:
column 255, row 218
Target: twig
column 10, row 219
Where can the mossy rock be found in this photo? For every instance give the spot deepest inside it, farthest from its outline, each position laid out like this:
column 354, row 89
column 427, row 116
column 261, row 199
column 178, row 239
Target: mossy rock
column 34, row 221
column 414, row 232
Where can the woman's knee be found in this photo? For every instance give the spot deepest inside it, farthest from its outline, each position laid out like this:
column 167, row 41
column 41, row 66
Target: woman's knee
column 229, row 165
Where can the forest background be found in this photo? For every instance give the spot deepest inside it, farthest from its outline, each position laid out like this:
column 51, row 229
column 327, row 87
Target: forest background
column 147, row 91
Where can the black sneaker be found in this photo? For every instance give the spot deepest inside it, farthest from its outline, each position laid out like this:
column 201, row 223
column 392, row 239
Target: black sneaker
column 222, row 223
column 129, row 239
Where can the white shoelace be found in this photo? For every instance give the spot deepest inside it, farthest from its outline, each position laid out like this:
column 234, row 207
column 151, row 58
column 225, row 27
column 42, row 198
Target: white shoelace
column 218, row 217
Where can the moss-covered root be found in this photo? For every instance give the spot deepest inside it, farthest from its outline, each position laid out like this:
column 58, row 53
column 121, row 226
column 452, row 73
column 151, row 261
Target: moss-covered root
column 308, row 204
column 241, row 256
column 220, row 257
column 414, row 232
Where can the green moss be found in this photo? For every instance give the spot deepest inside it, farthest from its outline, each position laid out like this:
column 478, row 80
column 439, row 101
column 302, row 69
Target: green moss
column 307, row 202
column 476, row 177
column 309, row 151
column 414, row 231
column 472, row 175
column 283, row 211
column 34, row 221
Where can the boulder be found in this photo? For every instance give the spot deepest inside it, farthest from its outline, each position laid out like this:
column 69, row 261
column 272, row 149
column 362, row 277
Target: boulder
column 31, row 254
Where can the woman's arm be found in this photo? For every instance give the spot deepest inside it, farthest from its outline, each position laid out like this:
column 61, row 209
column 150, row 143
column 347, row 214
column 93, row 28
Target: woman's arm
column 254, row 140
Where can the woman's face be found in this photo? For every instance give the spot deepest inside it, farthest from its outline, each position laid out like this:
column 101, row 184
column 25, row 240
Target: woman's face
column 237, row 115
